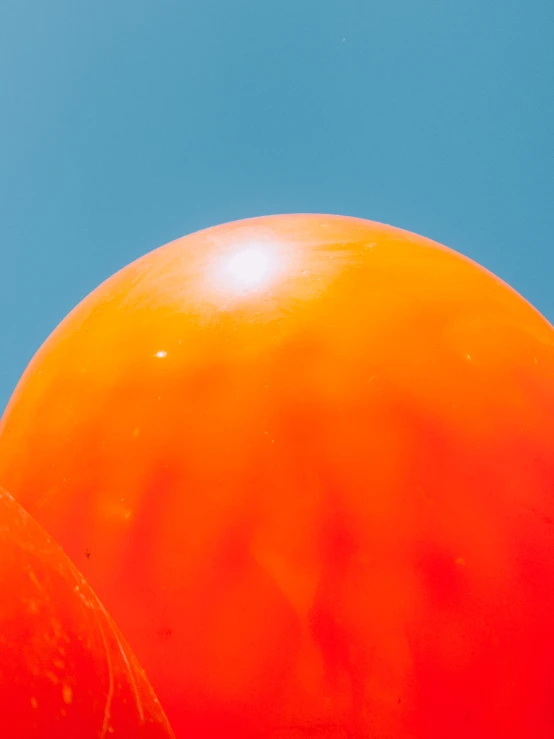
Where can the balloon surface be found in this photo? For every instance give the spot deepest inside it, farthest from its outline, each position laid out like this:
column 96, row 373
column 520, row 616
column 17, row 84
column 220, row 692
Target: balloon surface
column 65, row 671
column 307, row 463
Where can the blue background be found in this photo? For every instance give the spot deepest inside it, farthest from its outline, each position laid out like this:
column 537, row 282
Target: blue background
column 125, row 124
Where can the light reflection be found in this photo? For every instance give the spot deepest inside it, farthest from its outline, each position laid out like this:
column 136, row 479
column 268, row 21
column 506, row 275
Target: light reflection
column 249, row 267
column 161, row 354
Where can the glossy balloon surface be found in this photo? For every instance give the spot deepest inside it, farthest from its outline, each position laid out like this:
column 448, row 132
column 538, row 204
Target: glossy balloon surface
column 307, row 463
column 65, row 670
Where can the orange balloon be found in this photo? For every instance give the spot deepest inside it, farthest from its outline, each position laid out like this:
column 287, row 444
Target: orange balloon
column 65, row 670
column 307, row 462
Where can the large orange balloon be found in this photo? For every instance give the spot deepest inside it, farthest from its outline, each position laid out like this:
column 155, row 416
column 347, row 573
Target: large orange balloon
column 307, row 462
column 65, row 670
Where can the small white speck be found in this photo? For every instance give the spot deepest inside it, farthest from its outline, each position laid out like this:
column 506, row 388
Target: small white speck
column 161, row 354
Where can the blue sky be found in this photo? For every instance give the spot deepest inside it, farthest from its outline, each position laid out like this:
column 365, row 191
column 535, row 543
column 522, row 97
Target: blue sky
column 126, row 124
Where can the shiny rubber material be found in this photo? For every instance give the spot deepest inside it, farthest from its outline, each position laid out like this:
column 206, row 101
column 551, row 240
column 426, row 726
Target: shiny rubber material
column 307, row 463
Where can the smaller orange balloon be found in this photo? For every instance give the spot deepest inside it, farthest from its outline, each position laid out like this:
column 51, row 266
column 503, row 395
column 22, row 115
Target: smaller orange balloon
column 65, row 670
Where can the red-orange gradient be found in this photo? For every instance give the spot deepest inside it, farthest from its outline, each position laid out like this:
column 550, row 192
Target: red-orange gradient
column 65, row 671
column 307, row 463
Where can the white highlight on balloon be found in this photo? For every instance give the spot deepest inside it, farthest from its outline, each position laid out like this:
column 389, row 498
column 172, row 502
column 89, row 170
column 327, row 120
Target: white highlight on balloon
column 249, row 267
column 245, row 270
